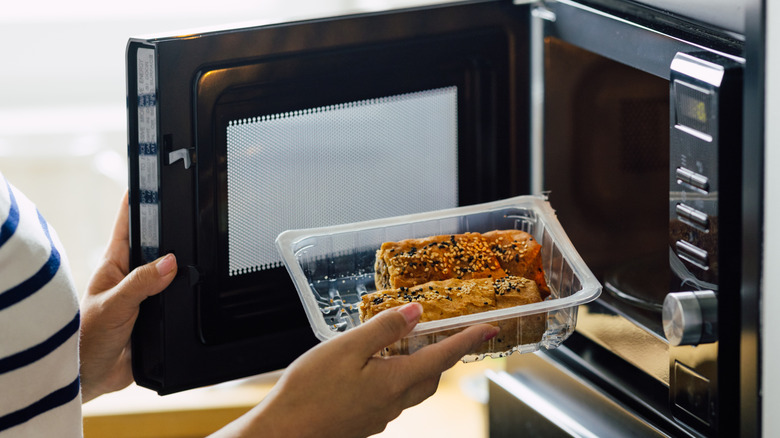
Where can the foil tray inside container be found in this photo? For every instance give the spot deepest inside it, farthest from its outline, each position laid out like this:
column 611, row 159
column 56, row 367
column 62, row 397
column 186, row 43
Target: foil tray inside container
column 333, row 267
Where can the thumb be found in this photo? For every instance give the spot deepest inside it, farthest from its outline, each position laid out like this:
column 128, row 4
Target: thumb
column 147, row 280
column 383, row 329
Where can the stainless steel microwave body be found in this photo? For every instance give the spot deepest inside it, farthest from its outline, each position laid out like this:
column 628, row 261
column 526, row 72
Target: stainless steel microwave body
column 629, row 116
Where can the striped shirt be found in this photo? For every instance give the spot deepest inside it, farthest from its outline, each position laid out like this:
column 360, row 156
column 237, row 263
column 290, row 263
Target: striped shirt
column 39, row 326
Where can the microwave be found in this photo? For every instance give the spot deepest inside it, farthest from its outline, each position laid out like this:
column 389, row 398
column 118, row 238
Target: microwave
column 627, row 115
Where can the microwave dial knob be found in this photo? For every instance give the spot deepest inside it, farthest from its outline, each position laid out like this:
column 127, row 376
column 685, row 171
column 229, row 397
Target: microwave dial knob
column 690, row 318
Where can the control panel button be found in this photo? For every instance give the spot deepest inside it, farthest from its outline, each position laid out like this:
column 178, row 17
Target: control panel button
column 691, row 178
column 693, row 254
column 690, row 318
column 693, row 217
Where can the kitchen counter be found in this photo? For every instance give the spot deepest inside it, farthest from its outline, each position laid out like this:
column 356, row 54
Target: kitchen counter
column 139, row 413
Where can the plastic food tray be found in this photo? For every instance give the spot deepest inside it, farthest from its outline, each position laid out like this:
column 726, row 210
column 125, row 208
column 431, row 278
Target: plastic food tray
column 332, row 267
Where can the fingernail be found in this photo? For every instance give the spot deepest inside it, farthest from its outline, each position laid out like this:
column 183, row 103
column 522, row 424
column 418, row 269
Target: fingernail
column 165, row 265
column 411, row 312
column 490, row 334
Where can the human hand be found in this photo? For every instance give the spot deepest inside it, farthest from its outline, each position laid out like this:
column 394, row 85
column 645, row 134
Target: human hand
column 109, row 309
column 342, row 388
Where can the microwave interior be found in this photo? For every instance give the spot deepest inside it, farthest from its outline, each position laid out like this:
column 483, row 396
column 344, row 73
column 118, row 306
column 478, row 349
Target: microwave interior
column 606, row 167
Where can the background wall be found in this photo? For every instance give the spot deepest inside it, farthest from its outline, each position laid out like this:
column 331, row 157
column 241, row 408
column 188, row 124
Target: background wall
column 770, row 304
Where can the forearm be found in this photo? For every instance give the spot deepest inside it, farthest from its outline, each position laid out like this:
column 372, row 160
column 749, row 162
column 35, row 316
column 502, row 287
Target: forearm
column 341, row 388
column 262, row 421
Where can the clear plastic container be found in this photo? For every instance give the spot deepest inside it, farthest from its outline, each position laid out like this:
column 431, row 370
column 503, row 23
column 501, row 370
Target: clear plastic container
column 333, row 267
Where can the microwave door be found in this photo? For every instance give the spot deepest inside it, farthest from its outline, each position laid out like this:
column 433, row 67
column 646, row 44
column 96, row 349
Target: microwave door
column 238, row 135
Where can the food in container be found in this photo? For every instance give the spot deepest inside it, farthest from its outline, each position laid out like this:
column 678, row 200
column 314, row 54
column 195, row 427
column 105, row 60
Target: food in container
column 334, row 267
column 470, row 255
column 453, row 298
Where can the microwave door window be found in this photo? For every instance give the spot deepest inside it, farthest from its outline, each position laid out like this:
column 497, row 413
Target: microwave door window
column 340, row 163
column 314, row 166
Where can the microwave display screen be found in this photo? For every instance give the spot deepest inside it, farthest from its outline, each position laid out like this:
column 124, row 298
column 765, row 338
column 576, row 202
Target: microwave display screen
column 692, row 107
column 341, row 163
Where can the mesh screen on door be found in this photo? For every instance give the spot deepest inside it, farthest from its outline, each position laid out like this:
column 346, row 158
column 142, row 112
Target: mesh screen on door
column 337, row 164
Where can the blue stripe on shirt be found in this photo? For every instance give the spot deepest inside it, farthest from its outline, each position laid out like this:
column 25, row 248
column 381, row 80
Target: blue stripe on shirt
column 36, row 352
column 47, row 403
column 12, row 221
column 39, row 279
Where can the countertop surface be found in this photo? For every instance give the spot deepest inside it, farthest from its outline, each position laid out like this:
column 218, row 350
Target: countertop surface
column 457, row 409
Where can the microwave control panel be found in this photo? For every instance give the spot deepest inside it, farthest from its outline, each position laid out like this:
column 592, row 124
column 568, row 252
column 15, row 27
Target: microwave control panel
column 704, row 204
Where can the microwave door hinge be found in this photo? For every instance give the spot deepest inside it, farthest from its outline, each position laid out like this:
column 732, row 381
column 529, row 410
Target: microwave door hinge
column 184, row 154
column 541, row 11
